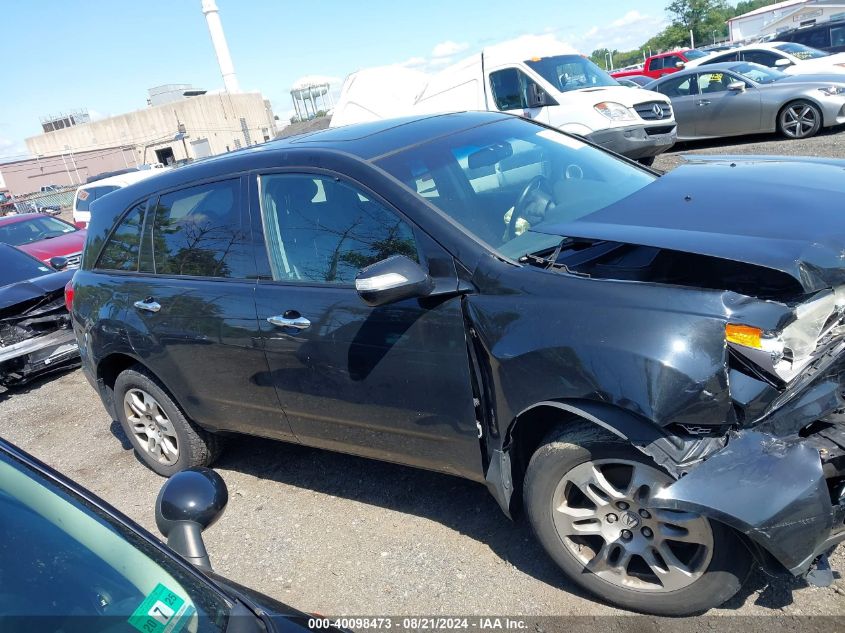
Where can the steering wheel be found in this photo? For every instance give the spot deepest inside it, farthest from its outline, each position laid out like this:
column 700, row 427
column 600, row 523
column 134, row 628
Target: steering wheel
column 535, row 185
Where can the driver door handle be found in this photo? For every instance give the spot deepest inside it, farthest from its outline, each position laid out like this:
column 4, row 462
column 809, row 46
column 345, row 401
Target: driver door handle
column 298, row 323
column 149, row 305
column 704, row 102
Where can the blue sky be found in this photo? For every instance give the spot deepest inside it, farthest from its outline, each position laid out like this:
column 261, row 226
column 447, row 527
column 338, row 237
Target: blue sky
column 103, row 55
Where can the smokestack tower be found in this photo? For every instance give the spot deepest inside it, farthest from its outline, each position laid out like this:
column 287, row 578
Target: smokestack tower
column 221, row 48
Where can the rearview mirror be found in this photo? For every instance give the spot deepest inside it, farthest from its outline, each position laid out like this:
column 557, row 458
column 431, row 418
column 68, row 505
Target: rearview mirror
column 737, row 86
column 490, row 155
column 59, row 263
column 393, row 279
column 188, row 503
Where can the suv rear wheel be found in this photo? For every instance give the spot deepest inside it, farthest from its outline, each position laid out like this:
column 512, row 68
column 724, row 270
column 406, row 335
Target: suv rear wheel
column 162, row 436
column 587, row 497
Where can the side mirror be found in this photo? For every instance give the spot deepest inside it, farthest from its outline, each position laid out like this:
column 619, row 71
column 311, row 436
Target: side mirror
column 782, row 62
column 59, row 263
column 391, row 280
column 737, row 86
column 680, row 65
column 188, row 503
column 538, row 98
column 81, row 225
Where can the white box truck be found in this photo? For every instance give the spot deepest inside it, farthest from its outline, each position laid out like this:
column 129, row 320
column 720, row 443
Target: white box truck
column 535, row 80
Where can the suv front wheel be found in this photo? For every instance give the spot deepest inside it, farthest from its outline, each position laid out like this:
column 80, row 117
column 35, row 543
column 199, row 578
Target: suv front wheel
column 162, row 436
column 587, row 498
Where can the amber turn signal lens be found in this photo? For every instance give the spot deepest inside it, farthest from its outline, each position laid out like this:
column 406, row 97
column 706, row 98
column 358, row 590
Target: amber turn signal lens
column 745, row 335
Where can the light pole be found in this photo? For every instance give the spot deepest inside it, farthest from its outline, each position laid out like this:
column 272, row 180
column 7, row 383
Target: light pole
column 608, row 60
column 714, row 38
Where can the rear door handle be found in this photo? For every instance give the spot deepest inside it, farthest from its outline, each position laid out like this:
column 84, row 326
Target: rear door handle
column 298, row 323
column 149, row 305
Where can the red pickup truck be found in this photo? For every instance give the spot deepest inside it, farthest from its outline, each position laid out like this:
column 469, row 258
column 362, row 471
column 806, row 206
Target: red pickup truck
column 658, row 65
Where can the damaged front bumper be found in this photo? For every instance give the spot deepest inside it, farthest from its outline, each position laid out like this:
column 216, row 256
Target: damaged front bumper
column 26, row 359
column 780, row 482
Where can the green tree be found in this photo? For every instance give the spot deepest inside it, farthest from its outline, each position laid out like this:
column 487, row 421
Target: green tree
column 703, row 17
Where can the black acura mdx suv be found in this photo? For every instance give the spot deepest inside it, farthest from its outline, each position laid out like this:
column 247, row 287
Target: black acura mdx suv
column 651, row 367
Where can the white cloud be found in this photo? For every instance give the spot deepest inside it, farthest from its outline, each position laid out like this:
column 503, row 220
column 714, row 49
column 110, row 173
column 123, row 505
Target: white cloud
column 448, row 48
column 624, row 33
column 12, row 149
column 414, row 62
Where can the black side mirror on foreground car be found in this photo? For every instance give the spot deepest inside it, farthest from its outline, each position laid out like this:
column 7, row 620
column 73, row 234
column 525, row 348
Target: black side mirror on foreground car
column 188, row 503
column 391, row 280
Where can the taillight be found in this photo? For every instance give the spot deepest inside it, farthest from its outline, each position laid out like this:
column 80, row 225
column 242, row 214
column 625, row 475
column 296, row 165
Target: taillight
column 69, row 295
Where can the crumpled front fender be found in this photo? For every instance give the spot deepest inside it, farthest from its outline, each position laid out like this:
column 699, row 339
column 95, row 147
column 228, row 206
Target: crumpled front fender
column 772, row 490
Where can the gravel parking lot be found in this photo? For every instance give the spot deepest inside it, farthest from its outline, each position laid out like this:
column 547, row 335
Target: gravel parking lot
column 342, row 535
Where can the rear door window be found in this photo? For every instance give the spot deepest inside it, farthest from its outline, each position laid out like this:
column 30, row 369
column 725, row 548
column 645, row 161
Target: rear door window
column 122, row 248
column 678, row 86
column 200, row 232
column 837, row 36
column 86, row 196
column 764, row 58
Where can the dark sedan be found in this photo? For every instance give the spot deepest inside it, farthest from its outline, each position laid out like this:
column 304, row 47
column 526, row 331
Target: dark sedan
column 35, row 333
column 608, row 349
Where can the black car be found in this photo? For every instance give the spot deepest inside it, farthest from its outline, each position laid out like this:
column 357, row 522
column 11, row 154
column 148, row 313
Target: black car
column 70, row 562
column 651, row 367
column 35, row 333
column 826, row 36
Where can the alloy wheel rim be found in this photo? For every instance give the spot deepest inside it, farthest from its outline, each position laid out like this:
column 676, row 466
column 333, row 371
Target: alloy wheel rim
column 798, row 120
column 602, row 513
column 151, row 427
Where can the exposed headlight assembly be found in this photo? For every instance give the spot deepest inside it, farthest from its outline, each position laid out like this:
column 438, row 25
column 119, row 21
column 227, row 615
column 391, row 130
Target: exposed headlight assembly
column 785, row 353
column 615, row 111
column 832, row 91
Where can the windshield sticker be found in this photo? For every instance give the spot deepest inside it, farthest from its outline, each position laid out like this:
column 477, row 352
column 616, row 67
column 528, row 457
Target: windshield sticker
column 82, row 195
column 162, row 611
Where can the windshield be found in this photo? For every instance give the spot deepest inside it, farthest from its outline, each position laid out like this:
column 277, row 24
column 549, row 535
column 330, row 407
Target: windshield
column 693, row 54
column 505, row 182
column 61, row 558
column 16, row 266
column 800, row 51
column 570, row 72
column 758, row 73
column 33, row 230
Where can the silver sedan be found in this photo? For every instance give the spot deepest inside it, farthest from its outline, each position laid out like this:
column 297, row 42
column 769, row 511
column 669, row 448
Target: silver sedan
column 743, row 98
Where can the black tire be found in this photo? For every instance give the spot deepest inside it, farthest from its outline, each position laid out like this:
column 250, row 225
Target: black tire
column 793, row 125
column 565, row 448
column 196, row 447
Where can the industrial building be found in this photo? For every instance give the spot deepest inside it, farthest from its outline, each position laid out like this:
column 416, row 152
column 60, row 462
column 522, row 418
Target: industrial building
column 179, row 123
column 183, row 126
column 782, row 16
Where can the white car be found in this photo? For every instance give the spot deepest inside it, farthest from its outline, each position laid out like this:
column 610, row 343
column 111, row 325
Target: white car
column 89, row 192
column 788, row 57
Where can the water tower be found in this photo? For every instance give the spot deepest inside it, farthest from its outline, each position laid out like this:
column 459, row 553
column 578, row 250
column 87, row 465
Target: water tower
column 311, row 95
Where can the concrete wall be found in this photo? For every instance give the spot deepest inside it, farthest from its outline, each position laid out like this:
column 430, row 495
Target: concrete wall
column 215, row 117
column 27, row 176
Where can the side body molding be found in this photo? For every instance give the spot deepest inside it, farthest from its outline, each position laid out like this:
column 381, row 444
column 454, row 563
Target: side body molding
column 771, row 490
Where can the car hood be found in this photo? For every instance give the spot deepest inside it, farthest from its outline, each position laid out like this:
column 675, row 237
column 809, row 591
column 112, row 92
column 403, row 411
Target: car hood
column 775, row 212
column 815, row 78
column 67, row 244
column 28, row 292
